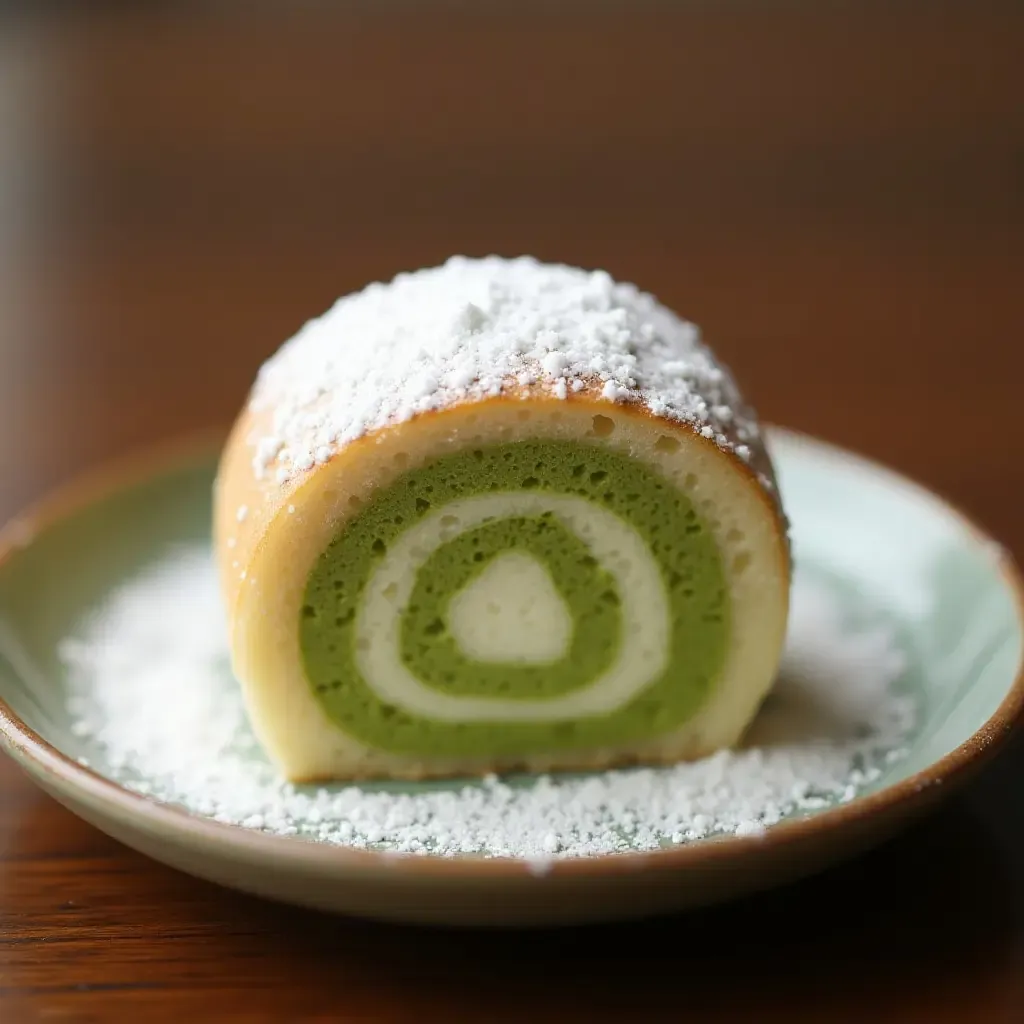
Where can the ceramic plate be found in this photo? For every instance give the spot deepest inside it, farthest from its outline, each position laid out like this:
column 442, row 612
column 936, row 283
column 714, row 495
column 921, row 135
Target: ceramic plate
column 949, row 593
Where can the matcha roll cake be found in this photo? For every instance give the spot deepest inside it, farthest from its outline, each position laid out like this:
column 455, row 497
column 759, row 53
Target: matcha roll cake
column 498, row 515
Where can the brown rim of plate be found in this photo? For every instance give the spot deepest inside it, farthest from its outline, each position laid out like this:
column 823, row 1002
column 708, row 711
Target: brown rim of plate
column 906, row 796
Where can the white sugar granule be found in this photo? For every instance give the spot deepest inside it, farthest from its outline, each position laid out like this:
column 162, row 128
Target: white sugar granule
column 471, row 329
column 154, row 703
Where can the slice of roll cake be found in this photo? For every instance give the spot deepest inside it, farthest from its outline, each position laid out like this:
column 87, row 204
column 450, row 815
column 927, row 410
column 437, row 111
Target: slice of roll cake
column 497, row 515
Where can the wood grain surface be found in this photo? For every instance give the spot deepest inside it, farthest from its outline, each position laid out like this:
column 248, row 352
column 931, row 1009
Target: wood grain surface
column 834, row 191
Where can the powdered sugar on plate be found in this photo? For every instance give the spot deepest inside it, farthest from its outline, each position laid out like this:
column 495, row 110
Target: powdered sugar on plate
column 471, row 329
column 155, row 706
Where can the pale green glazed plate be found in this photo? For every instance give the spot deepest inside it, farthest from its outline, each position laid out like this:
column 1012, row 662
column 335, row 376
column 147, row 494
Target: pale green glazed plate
column 952, row 596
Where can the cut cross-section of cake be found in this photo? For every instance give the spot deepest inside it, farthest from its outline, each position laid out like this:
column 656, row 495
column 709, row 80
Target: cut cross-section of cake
column 498, row 515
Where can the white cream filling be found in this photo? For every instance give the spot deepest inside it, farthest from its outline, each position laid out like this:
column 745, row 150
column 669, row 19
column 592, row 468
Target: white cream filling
column 643, row 654
column 511, row 613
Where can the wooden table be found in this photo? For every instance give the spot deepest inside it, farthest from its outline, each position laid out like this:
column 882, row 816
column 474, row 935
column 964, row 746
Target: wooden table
column 834, row 192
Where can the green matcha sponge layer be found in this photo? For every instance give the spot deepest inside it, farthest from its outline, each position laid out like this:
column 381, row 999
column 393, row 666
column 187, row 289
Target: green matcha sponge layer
column 416, row 630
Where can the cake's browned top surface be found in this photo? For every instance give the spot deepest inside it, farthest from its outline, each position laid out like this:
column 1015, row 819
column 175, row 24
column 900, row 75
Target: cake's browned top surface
column 476, row 329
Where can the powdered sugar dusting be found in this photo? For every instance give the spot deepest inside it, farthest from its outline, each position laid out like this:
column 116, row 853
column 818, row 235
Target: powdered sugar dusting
column 154, row 703
column 471, row 329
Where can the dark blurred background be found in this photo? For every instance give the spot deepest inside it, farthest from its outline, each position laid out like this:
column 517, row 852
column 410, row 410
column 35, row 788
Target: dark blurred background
column 833, row 190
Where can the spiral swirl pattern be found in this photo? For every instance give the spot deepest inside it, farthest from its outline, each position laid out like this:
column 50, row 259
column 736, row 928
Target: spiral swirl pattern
column 617, row 552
